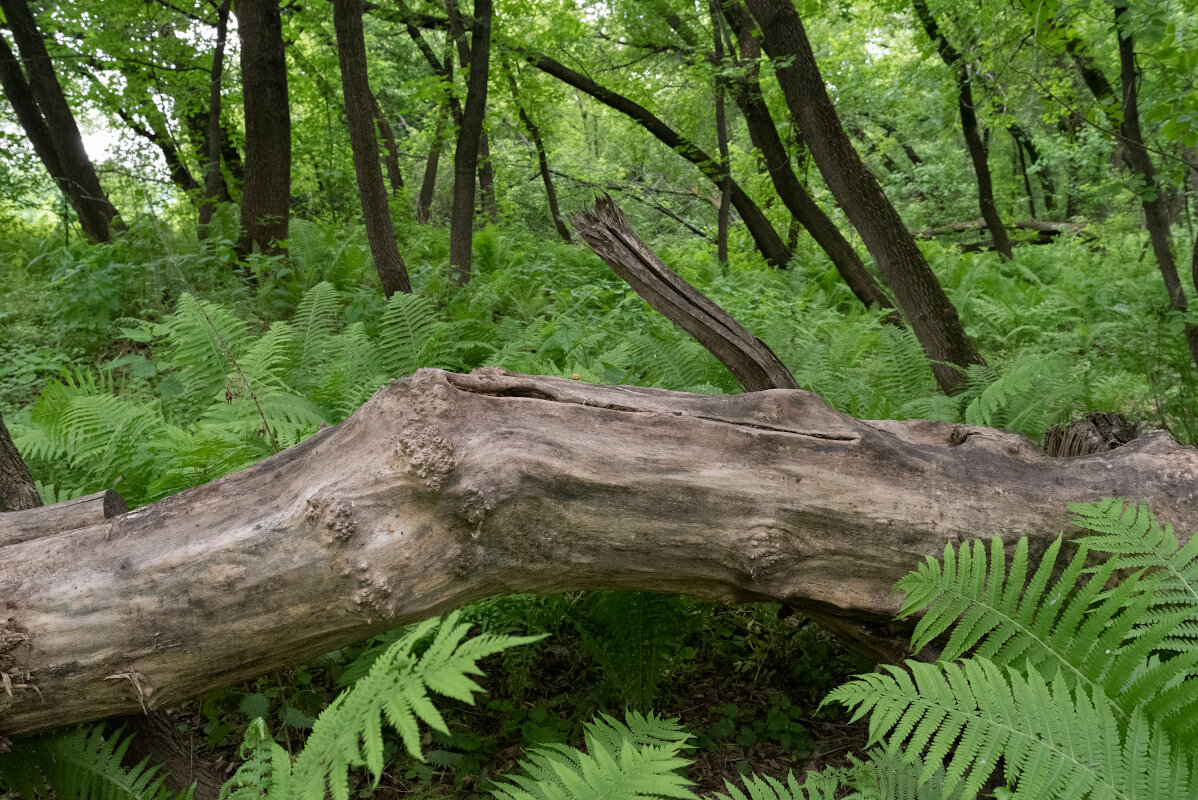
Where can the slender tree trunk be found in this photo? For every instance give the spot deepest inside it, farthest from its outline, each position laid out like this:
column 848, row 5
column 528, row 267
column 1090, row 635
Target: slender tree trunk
column 17, row 489
column 391, row 156
column 764, row 235
column 465, row 161
column 746, row 93
column 1047, row 187
column 38, row 94
column 428, row 186
column 214, row 180
column 721, row 133
column 360, row 117
column 534, row 132
column 932, row 316
column 1140, row 162
column 179, row 173
column 1021, row 171
column 266, row 191
column 969, row 126
column 486, row 179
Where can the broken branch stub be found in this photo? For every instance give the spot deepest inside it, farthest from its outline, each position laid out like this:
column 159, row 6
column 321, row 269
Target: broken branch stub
column 607, row 232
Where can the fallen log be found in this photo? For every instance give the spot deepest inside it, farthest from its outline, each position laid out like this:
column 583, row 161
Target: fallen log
column 445, row 488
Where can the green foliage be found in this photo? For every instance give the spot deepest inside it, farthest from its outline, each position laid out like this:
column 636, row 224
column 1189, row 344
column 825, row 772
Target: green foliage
column 82, row 763
column 348, row 734
column 1079, row 687
column 639, row 758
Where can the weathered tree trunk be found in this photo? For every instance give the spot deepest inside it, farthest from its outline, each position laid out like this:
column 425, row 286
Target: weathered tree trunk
column 391, row 156
column 42, row 110
column 465, row 160
column 360, row 118
column 17, row 489
column 266, row 191
column 920, row 297
column 953, row 59
column 214, row 181
column 607, row 232
column 538, row 144
column 445, row 488
column 746, row 93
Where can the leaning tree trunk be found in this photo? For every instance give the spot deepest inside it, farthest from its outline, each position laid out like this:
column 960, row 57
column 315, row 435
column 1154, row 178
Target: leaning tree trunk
column 920, row 297
column 746, row 93
column 445, row 488
column 764, row 236
column 534, row 132
column 266, row 191
column 953, row 59
column 465, row 160
column 360, row 118
column 37, row 98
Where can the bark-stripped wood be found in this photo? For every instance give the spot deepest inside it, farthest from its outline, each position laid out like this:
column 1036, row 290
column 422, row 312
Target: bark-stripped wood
column 444, row 488
column 607, row 232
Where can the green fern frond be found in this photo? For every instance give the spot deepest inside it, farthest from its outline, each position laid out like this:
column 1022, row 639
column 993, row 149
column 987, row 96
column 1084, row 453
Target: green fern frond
column 817, row 786
column 410, row 324
column 1056, row 741
column 83, row 764
column 201, row 339
column 1131, row 533
column 620, row 762
column 349, row 734
column 1085, row 633
column 316, row 320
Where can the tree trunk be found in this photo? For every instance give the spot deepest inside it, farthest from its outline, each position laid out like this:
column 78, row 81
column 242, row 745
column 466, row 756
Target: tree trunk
column 428, row 186
column 42, row 109
column 391, row 156
column 721, row 135
column 969, row 126
column 17, row 489
column 1140, row 162
column 266, row 191
column 920, row 297
column 767, row 239
column 486, row 179
column 360, row 118
column 746, row 93
column 446, row 488
column 1024, row 141
column 538, row 144
column 214, row 181
column 465, row 160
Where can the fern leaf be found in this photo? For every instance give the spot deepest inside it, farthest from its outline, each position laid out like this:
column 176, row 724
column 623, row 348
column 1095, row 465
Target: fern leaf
column 348, row 733
column 1087, row 634
column 82, row 763
column 621, row 762
column 1057, row 741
